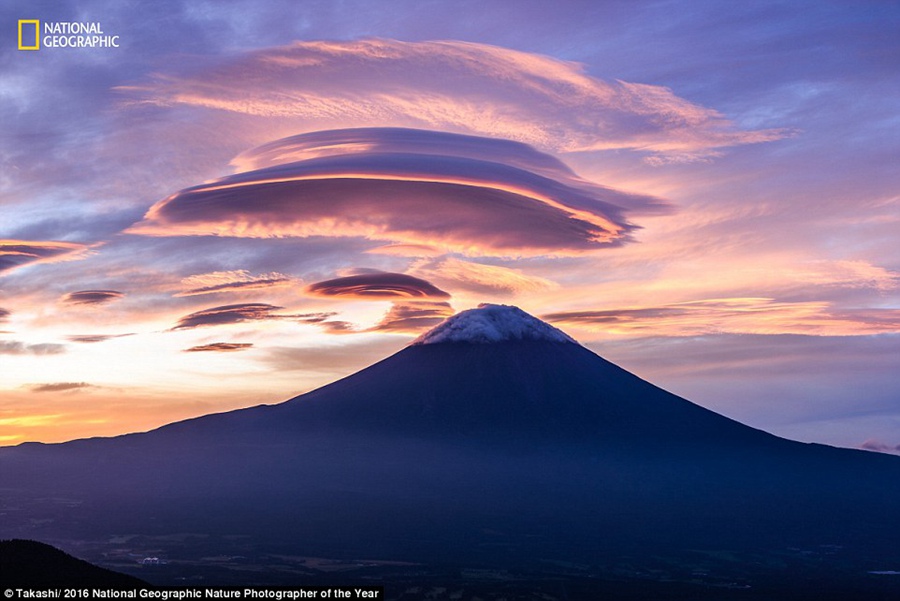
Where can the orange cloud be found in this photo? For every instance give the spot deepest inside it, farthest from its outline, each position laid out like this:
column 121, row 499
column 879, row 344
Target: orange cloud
column 413, row 317
column 60, row 387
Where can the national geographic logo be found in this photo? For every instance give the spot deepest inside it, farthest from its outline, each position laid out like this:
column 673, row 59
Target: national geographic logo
column 29, row 34
column 63, row 34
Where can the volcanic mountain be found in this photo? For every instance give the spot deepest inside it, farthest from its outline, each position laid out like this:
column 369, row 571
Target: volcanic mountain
column 493, row 440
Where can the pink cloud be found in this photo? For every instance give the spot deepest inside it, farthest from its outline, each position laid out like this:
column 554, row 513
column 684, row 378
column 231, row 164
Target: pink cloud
column 736, row 316
column 413, row 317
column 18, row 253
column 455, row 86
column 231, row 281
column 480, row 278
column 876, row 445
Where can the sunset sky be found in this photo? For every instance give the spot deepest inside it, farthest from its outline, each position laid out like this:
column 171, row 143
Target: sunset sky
column 247, row 200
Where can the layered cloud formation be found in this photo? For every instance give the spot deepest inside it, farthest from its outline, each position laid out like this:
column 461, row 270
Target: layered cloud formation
column 465, row 194
column 376, row 286
column 456, row 86
column 18, row 253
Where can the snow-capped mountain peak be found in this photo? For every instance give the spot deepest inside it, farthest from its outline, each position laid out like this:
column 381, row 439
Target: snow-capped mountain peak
column 492, row 323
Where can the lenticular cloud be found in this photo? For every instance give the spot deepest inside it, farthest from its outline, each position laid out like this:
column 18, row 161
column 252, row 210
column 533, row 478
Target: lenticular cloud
column 465, row 194
column 377, row 286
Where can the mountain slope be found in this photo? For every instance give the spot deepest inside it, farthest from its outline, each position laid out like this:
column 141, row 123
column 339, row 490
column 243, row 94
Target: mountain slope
column 495, row 440
column 28, row 563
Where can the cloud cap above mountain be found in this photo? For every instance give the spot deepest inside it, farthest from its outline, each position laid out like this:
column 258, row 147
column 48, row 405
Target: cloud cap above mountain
column 465, row 194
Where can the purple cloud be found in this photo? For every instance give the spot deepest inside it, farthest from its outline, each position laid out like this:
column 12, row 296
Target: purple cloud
column 377, row 285
column 229, row 314
column 475, row 196
column 92, row 297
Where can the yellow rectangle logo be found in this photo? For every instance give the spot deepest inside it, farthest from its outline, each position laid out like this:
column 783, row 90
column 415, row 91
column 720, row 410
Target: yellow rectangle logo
column 37, row 34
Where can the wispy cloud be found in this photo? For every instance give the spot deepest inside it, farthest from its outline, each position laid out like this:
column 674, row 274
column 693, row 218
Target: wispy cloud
column 735, row 315
column 230, row 314
column 94, row 338
column 456, row 86
column 351, row 354
column 480, row 278
column 413, row 317
column 60, row 387
column 18, row 253
column 14, row 347
column 231, row 281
